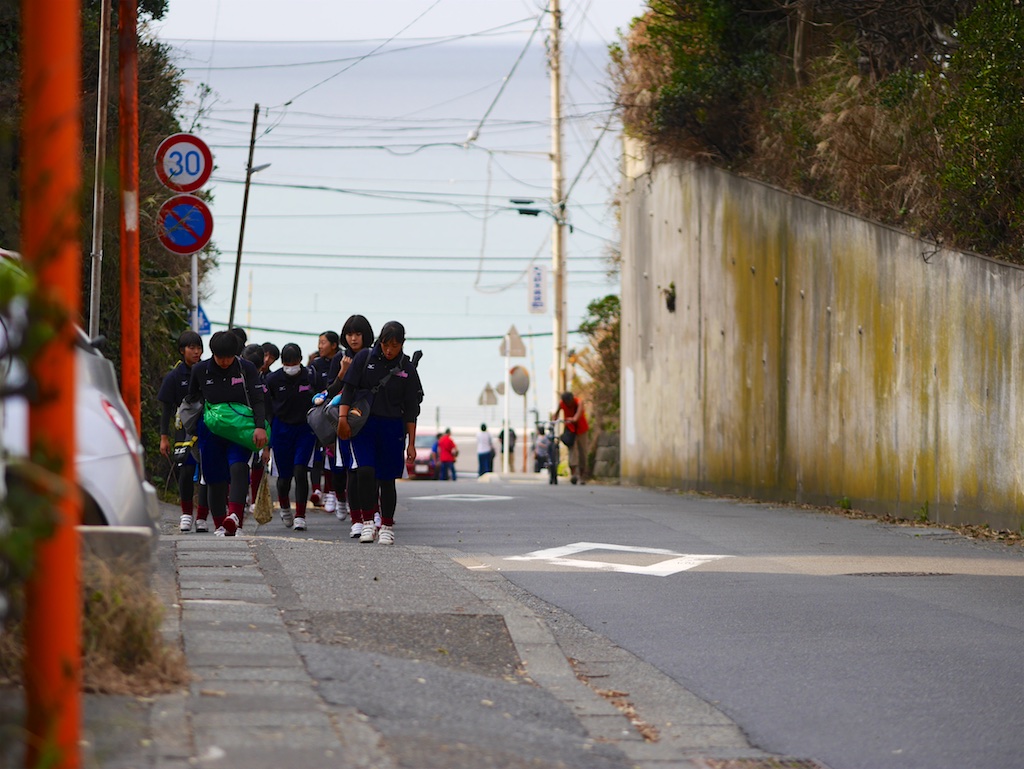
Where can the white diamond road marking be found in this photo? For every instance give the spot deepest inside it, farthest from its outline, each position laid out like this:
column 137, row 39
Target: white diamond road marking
column 673, row 564
column 465, row 497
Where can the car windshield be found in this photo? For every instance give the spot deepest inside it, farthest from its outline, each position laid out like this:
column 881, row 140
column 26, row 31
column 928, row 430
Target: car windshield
column 424, row 441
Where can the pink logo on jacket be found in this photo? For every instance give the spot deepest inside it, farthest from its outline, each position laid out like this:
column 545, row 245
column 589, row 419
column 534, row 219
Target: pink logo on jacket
column 237, row 380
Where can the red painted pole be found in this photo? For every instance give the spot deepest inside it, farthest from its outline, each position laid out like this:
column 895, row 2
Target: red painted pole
column 128, row 58
column 51, row 185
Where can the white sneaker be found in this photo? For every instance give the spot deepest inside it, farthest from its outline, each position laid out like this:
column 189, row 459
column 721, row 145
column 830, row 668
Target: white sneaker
column 300, row 524
column 287, row 518
column 386, row 536
column 201, row 526
column 357, row 529
column 342, row 512
column 220, row 532
column 232, row 525
column 377, row 520
column 366, row 535
column 186, row 523
column 316, row 498
column 330, row 502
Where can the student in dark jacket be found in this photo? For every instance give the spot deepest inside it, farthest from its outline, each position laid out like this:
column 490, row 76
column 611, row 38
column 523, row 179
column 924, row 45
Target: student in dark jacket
column 291, row 439
column 323, row 456
column 356, row 335
column 226, row 378
column 259, row 459
column 388, row 439
column 172, row 391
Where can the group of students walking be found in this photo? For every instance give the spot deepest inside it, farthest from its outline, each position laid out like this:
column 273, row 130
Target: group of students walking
column 218, row 477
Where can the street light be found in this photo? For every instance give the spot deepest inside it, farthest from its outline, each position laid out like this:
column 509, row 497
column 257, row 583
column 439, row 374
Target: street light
column 525, row 207
column 249, row 171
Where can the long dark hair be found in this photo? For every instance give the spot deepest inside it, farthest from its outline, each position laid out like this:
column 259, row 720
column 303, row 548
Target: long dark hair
column 358, row 324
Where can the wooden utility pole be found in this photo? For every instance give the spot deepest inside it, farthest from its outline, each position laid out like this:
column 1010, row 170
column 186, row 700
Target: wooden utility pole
column 131, row 355
column 245, row 208
column 558, row 205
column 51, row 134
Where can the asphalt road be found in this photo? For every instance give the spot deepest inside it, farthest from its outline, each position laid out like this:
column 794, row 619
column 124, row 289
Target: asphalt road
column 859, row 644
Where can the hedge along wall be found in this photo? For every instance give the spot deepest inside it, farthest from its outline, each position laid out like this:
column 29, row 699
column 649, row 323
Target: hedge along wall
column 813, row 356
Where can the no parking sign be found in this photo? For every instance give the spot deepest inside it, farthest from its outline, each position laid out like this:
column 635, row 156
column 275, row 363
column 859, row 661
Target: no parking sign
column 184, row 224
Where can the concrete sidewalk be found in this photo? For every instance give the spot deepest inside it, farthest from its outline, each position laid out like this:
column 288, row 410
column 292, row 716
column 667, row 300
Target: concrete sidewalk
column 325, row 653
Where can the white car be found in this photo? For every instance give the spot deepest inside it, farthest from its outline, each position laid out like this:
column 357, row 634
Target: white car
column 109, row 458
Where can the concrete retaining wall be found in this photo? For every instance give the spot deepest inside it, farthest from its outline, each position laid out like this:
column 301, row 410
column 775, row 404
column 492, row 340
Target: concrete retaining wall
column 813, row 356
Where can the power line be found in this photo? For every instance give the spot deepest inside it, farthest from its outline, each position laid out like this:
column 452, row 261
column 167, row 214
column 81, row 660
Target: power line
column 433, row 269
column 480, row 338
column 402, row 257
column 475, row 133
column 362, row 58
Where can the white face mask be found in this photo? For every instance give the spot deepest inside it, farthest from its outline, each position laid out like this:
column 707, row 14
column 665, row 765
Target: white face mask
column 292, row 370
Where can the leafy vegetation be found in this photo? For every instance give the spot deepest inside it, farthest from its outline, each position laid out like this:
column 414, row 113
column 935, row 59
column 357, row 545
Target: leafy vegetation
column 165, row 277
column 907, row 113
column 600, row 362
column 26, row 510
column 123, row 651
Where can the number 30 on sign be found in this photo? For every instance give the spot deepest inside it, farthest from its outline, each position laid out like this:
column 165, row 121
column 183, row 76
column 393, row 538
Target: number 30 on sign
column 183, row 162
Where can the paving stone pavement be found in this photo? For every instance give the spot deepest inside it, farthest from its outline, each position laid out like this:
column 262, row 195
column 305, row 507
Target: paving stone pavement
column 324, row 653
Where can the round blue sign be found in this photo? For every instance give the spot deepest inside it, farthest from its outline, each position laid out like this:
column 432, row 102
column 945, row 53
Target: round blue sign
column 185, row 224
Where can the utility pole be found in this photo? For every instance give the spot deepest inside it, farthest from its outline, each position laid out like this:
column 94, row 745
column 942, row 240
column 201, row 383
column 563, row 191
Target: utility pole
column 98, row 186
column 558, row 205
column 51, row 158
column 131, row 355
column 245, row 206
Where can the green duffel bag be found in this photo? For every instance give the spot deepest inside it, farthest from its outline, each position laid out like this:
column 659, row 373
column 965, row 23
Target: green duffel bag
column 233, row 421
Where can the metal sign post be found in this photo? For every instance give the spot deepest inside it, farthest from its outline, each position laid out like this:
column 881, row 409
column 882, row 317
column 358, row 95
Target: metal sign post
column 511, row 347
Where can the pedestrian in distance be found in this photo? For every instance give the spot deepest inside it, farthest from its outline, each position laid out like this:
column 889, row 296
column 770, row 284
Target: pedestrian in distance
column 576, row 423
column 291, row 439
column 387, row 440
column 511, row 447
column 226, row 378
column 484, row 451
column 541, row 450
column 447, row 451
column 175, row 445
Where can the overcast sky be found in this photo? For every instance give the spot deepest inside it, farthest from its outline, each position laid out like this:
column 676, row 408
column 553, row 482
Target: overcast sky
column 364, row 19
column 372, row 203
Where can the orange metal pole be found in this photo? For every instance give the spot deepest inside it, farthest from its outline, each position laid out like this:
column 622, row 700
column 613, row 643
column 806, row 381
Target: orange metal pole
column 51, row 184
column 128, row 58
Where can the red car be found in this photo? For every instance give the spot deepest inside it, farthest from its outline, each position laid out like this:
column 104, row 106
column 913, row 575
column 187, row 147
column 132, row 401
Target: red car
column 426, row 466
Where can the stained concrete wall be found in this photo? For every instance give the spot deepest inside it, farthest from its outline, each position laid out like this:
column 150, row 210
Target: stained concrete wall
column 813, row 356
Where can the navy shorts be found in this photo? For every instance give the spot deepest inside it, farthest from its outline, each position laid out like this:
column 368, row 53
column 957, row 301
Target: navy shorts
column 381, row 445
column 292, row 445
column 218, row 454
column 343, row 455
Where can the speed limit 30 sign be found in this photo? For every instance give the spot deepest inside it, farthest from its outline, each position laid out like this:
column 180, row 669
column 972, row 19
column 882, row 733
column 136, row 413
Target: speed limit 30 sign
column 183, row 162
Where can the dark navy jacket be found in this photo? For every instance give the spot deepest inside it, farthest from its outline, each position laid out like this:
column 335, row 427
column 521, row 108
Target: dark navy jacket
column 289, row 396
column 400, row 397
column 218, row 385
column 172, row 392
column 333, row 383
column 319, row 369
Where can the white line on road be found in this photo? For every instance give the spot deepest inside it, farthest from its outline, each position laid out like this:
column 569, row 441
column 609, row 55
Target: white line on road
column 465, row 497
column 570, row 555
